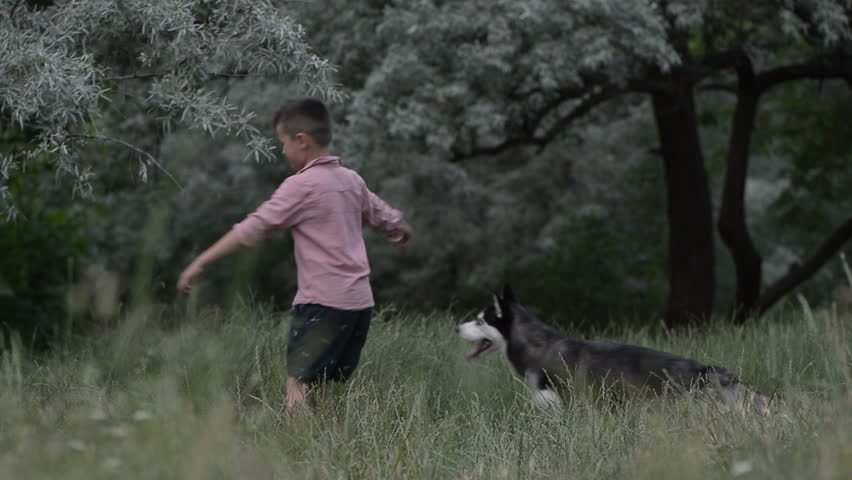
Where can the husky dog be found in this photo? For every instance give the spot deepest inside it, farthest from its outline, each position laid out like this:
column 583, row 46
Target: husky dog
column 547, row 360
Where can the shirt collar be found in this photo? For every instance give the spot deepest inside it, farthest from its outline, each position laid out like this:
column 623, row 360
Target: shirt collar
column 326, row 160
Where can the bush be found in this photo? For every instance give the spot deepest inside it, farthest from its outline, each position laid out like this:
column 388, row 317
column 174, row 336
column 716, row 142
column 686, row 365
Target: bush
column 41, row 251
column 593, row 273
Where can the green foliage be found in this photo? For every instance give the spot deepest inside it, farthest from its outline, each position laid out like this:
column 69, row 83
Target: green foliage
column 43, row 249
column 200, row 396
column 593, row 275
column 429, row 83
column 803, row 130
column 526, row 85
column 66, row 64
column 804, row 144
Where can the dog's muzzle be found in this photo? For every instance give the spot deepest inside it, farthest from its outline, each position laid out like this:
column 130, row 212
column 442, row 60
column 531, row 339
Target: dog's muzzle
column 483, row 344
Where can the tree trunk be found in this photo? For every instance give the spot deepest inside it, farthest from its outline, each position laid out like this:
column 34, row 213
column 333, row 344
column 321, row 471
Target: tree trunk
column 732, row 221
column 690, row 216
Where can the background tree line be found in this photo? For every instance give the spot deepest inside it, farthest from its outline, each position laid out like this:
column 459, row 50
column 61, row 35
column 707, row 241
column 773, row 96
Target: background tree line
column 615, row 159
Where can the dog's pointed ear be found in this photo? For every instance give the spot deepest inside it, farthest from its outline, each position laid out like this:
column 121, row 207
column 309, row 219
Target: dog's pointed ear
column 509, row 294
column 498, row 310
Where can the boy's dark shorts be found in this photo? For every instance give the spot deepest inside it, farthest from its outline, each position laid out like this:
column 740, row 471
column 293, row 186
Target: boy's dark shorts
column 325, row 343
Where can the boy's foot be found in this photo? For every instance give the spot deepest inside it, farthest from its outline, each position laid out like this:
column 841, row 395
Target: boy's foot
column 297, row 394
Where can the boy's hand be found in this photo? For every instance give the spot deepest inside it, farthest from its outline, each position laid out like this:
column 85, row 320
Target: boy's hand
column 185, row 281
column 228, row 244
column 406, row 235
column 402, row 235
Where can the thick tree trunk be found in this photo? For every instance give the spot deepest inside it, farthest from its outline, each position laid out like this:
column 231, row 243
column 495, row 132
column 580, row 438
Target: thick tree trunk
column 690, row 262
column 732, row 220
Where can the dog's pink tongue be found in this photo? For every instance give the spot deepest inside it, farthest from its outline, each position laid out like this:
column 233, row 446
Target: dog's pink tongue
column 475, row 351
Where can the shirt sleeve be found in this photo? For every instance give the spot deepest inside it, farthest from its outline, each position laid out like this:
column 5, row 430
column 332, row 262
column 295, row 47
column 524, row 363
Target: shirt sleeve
column 284, row 209
column 382, row 217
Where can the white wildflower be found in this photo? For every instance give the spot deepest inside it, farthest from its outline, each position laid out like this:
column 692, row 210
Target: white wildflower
column 141, row 415
column 98, row 415
column 742, row 467
column 111, row 463
column 77, row 445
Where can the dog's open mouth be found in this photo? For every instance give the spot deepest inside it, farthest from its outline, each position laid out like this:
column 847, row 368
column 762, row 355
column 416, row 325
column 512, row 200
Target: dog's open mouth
column 479, row 349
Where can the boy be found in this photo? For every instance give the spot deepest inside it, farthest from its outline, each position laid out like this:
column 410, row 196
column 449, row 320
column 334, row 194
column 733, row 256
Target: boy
column 324, row 205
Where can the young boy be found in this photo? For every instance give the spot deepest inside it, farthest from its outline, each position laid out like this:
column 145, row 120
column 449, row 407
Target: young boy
column 324, row 206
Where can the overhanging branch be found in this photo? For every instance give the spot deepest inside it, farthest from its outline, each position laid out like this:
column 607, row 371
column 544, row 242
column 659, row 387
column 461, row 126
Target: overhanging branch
column 723, row 60
column 151, row 158
column 718, row 87
column 529, row 138
column 838, row 66
column 716, row 62
column 831, row 66
column 499, row 148
column 150, row 75
column 585, row 107
column 134, row 76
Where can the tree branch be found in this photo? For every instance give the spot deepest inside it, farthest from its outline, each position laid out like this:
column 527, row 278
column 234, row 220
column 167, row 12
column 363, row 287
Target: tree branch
column 718, row 87
column 145, row 76
column 151, row 158
column 837, row 66
column 134, row 76
column 723, row 60
column 528, row 138
column 12, row 12
column 714, row 62
column 508, row 144
column 585, row 107
column 563, row 95
column 798, row 273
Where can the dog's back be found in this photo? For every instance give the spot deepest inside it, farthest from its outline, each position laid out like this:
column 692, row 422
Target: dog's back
column 630, row 367
column 638, row 367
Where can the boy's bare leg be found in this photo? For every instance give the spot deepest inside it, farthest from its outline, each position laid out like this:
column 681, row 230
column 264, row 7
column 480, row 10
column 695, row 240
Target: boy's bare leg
column 327, row 400
column 297, row 395
column 301, row 396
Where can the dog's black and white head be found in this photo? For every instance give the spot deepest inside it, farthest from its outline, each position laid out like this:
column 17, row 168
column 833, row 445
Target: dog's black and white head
column 492, row 327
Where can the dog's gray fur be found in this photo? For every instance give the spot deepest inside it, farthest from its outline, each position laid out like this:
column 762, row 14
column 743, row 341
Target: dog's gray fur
column 546, row 360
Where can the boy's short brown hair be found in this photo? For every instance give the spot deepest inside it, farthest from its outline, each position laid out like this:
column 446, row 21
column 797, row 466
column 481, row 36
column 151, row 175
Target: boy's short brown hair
column 305, row 115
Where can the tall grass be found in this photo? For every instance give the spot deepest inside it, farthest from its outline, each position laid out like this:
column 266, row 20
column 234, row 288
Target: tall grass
column 200, row 396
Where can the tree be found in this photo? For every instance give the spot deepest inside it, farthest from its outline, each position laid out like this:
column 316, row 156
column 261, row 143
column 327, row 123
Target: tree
column 750, row 87
column 90, row 90
column 73, row 73
column 470, row 80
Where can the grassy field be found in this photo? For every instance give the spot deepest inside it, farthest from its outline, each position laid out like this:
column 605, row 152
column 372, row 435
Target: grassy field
column 200, row 397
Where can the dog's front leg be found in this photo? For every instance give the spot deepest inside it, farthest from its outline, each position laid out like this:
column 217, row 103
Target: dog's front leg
column 542, row 394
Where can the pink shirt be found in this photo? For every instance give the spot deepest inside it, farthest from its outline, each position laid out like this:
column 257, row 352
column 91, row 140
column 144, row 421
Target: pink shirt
column 325, row 205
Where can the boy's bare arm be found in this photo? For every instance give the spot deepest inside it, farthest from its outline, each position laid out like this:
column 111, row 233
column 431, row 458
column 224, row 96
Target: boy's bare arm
column 228, row 244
